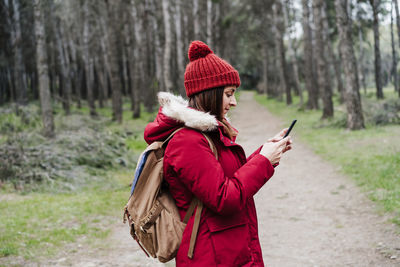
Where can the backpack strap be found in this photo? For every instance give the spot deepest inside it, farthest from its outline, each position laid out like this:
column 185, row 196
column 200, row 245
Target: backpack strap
column 195, row 201
column 171, row 135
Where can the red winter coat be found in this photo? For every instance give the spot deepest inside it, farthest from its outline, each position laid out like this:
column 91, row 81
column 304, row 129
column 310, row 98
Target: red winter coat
column 228, row 231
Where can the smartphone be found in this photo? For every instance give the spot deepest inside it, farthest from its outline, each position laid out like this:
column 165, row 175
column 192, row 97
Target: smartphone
column 290, row 128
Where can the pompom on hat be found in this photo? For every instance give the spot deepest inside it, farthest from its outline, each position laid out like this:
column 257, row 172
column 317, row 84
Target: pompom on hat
column 206, row 70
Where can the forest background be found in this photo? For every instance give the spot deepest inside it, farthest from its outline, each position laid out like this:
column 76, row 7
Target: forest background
column 78, row 83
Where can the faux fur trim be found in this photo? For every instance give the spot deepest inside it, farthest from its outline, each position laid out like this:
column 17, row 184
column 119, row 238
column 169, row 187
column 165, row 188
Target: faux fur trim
column 177, row 108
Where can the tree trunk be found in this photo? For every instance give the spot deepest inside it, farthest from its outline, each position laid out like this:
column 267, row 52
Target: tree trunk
column 167, row 47
column 75, row 86
column 113, row 7
column 217, row 27
column 66, row 93
column 331, row 55
column 19, row 67
column 323, row 67
column 398, row 25
column 88, row 60
column 157, row 47
column 265, row 73
column 137, row 67
column 124, row 57
column 394, row 54
column 378, row 64
column 292, row 54
column 104, row 42
column 41, row 64
column 209, row 23
column 179, row 48
column 280, row 28
column 196, row 19
column 355, row 118
column 311, row 86
column 361, row 67
column 148, row 81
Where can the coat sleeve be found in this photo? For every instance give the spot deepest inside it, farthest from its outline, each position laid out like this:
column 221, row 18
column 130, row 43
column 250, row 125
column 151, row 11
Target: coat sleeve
column 196, row 166
column 254, row 153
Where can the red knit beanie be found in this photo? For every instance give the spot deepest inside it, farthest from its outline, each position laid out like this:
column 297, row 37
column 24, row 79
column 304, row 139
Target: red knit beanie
column 206, row 70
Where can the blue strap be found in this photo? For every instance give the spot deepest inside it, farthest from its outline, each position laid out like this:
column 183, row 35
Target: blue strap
column 139, row 171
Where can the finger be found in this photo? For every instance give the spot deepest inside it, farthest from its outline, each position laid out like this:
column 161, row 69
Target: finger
column 283, row 141
column 287, row 149
column 283, row 132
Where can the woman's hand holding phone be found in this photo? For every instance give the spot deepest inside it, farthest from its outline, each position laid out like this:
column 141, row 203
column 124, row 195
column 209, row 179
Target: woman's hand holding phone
column 279, row 144
column 273, row 150
column 279, row 136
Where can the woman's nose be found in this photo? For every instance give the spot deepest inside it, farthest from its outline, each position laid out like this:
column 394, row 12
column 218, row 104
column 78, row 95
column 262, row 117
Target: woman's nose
column 233, row 101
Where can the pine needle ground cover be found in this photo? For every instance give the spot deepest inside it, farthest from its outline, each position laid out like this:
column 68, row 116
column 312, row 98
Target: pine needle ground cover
column 370, row 156
column 67, row 189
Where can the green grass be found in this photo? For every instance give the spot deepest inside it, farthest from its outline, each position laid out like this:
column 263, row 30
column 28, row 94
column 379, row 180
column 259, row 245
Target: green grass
column 37, row 224
column 370, row 156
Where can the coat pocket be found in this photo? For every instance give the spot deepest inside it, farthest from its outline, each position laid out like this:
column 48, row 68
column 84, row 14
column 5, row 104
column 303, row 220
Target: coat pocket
column 230, row 239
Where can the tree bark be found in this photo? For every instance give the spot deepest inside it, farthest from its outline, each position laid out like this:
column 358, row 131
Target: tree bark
column 104, row 42
column 41, row 64
column 88, row 60
column 148, row 81
column 292, row 54
column 362, row 71
column 137, row 66
column 217, row 27
column 157, row 47
column 394, row 54
column 19, row 67
column 280, row 28
column 322, row 64
column 209, row 23
column 113, row 7
column 311, row 86
column 265, row 73
column 355, row 119
column 167, row 46
column 398, row 25
column 378, row 62
column 66, row 93
column 331, row 55
column 196, row 19
column 179, row 48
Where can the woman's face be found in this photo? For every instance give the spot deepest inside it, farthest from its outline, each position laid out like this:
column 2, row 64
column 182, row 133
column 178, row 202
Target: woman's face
column 229, row 99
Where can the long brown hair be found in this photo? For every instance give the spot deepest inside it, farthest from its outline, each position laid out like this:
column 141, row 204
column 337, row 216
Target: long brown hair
column 209, row 101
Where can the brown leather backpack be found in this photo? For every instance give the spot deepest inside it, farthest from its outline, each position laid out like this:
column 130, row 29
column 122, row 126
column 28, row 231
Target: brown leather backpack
column 153, row 217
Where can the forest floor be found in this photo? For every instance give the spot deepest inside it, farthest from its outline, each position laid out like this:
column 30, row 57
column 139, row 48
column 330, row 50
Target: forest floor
column 308, row 213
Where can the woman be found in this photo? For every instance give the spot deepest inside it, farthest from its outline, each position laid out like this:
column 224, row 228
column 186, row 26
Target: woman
column 228, row 233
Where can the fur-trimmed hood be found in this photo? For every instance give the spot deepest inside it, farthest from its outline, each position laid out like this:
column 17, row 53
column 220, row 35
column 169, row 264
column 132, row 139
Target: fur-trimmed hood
column 174, row 113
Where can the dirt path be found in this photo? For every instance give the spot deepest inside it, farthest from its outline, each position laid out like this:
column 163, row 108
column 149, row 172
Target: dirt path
column 309, row 215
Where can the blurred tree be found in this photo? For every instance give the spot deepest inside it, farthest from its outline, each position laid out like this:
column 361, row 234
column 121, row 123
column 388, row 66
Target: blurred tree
column 394, row 54
column 309, row 75
column 41, row 61
column 280, row 49
column 19, row 65
column 322, row 64
column 292, row 52
column 168, row 45
column 113, row 45
column 375, row 4
column 355, row 118
column 179, row 45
